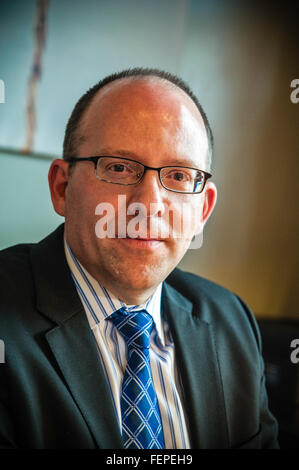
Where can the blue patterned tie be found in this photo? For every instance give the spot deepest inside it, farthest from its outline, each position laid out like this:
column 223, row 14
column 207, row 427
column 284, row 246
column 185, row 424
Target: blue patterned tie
column 141, row 421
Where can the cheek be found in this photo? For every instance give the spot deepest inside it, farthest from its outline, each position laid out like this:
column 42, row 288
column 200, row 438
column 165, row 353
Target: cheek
column 185, row 219
column 80, row 208
column 84, row 193
column 75, row 206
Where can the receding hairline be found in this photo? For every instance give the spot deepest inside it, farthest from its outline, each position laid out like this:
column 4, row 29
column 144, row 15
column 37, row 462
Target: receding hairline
column 78, row 134
column 141, row 78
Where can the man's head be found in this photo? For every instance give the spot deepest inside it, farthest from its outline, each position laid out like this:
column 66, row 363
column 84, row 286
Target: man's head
column 152, row 120
column 73, row 136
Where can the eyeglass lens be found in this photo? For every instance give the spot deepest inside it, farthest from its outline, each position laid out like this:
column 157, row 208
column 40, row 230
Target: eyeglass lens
column 122, row 171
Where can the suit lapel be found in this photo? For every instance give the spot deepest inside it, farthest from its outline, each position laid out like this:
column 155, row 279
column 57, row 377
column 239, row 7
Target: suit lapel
column 75, row 351
column 72, row 341
column 199, row 369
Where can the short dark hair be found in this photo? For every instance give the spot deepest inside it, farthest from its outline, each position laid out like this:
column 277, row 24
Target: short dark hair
column 72, row 139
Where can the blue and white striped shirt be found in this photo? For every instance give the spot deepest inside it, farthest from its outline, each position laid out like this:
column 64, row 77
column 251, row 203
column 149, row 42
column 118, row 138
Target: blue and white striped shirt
column 99, row 304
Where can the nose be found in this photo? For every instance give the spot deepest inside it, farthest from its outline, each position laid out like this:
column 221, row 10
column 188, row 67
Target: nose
column 150, row 193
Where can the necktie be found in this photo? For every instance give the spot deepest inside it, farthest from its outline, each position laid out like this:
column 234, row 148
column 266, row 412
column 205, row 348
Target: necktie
column 141, row 421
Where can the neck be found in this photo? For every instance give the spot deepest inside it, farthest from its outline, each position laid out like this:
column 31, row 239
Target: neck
column 132, row 297
column 127, row 294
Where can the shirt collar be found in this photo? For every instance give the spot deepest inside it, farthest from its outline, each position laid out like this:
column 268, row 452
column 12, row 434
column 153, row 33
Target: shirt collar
column 101, row 303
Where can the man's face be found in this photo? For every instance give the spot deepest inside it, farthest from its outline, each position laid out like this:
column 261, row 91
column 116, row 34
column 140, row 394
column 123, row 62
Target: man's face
column 157, row 125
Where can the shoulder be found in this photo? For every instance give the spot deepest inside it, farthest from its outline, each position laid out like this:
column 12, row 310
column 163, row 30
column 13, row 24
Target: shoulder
column 215, row 304
column 192, row 285
column 14, row 262
column 201, row 291
column 16, row 281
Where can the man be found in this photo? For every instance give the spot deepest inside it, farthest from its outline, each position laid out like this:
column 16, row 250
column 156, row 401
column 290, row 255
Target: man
column 107, row 344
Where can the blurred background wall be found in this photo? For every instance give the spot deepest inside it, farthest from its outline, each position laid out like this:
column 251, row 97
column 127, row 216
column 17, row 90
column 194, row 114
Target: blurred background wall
column 239, row 58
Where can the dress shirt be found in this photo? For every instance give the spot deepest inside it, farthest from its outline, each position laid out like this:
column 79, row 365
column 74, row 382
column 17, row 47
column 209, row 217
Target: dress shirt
column 99, row 304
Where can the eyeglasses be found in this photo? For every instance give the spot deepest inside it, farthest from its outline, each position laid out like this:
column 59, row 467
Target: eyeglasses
column 119, row 170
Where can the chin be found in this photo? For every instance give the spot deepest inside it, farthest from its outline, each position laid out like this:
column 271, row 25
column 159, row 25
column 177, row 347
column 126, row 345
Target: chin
column 134, row 274
column 140, row 278
column 141, row 283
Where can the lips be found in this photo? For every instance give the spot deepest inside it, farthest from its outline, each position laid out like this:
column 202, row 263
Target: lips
column 141, row 243
column 147, row 239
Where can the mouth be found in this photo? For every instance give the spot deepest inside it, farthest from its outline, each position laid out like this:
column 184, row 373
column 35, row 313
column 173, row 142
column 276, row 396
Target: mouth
column 143, row 243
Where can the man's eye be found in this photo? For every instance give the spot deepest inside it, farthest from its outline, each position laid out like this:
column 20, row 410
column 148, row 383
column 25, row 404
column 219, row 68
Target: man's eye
column 179, row 176
column 117, row 168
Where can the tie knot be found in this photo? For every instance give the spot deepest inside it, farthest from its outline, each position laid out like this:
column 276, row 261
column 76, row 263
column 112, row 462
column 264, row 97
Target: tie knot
column 135, row 327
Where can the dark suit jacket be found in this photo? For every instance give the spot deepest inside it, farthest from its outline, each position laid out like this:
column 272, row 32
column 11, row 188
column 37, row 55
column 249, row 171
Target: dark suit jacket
column 53, row 392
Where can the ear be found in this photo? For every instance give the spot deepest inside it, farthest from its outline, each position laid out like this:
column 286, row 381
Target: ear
column 58, row 180
column 210, row 198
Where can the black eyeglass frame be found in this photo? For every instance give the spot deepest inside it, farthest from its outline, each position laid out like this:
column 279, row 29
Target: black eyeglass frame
column 95, row 160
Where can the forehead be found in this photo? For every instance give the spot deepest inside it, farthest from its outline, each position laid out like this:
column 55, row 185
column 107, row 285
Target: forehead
column 142, row 112
column 152, row 93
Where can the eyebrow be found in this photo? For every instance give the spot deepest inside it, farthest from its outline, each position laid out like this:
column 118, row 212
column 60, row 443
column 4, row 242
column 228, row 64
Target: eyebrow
column 119, row 153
